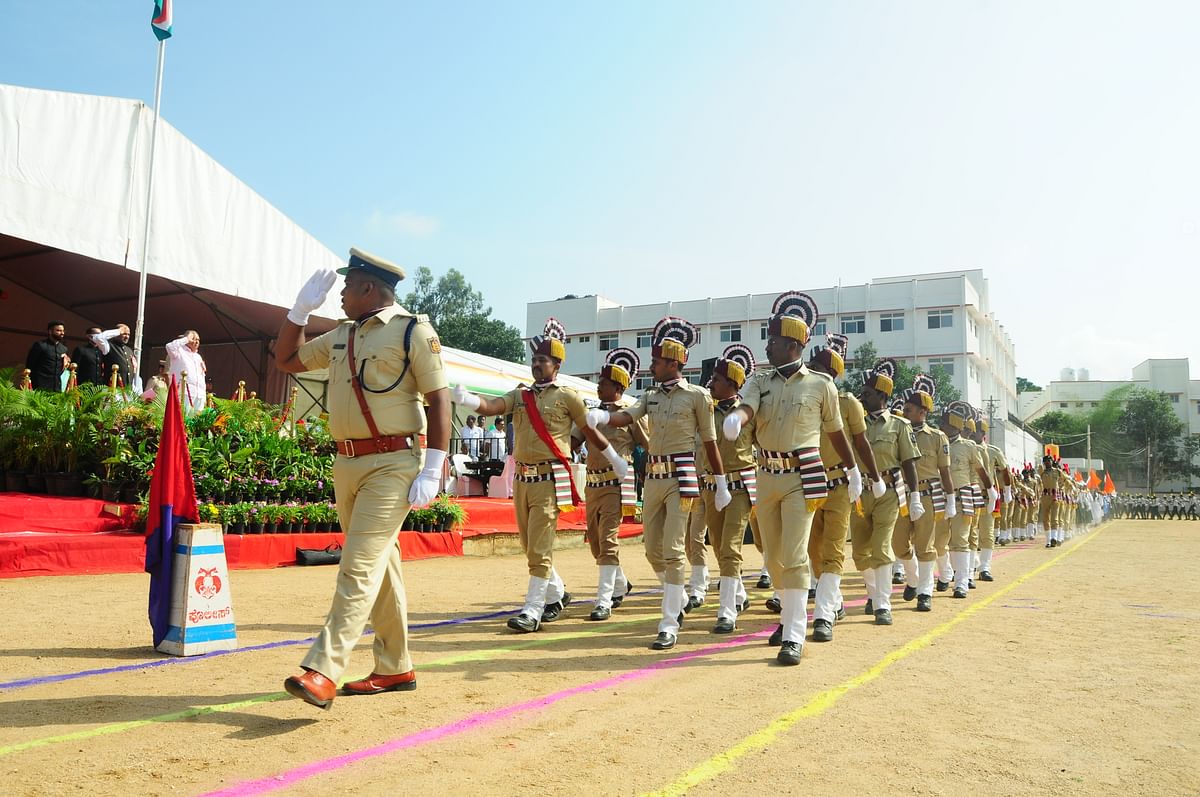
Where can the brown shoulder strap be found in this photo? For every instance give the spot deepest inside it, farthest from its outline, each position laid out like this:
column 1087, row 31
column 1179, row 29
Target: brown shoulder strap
column 358, row 391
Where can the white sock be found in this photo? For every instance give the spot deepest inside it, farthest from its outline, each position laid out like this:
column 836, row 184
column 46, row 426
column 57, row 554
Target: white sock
column 674, row 599
column 883, row 586
column 535, row 597
column 985, row 560
column 698, row 583
column 869, row 581
column 794, row 617
column 925, row 578
column 728, row 588
column 828, row 598
column 556, row 589
column 962, row 568
column 910, row 571
column 607, row 584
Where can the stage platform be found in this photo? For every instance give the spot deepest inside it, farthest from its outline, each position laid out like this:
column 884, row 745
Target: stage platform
column 43, row 535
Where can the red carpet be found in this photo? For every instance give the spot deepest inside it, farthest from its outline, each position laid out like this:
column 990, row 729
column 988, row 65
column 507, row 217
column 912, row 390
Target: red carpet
column 43, row 535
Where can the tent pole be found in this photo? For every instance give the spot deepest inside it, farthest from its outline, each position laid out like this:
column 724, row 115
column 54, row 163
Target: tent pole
column 141, row 308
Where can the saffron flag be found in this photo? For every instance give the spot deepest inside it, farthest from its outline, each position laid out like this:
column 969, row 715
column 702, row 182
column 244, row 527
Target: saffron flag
column 1109, row 487
column 172, row 501
column 1093, row 480
column 162, row 20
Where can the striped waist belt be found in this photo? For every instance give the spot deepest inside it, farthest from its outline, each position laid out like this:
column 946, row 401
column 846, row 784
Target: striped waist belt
column 533, row 473
column 603, row 477
column 680, row 466
column 804, row 461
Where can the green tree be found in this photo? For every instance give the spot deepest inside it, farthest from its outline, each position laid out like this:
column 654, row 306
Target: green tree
column 1149, row 421
column 1025, row 386
column 1068, row 432
column 460, row 317
column 865, row 357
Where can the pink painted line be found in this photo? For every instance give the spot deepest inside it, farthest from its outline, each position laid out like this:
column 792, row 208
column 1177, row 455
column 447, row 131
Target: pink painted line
column 429, row 735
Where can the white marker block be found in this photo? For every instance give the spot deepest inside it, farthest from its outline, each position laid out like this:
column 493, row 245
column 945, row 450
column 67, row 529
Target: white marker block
column 201, row 602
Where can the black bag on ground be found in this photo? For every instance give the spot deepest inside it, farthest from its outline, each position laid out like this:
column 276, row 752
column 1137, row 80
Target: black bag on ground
column 329, row 555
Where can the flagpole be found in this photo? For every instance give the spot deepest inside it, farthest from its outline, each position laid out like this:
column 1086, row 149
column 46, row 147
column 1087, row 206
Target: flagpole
column 141, row 308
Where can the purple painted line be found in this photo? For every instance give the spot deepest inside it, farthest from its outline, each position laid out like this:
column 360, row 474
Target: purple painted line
column 146, row 665
column 484, row 718
column 1168, row 616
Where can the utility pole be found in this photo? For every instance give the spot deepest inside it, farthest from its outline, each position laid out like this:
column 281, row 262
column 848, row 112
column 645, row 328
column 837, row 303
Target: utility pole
column 1089, row 448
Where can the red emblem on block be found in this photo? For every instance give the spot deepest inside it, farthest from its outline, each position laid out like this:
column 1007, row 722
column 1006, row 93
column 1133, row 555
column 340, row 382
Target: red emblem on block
column 208, row 583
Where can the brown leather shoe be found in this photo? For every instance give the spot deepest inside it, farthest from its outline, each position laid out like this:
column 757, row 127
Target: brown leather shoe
column 375, row 683
column 312, row 687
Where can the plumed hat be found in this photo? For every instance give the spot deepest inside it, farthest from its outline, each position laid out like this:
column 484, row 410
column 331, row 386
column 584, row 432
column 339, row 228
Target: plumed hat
column 792, row 316
column 897, row 405
column 882, row 375
column 735, row 363
column 923, row 391
column 621, row 366
column 833, row 354
column 550, row 342
column 672, row 338
column 957, row 413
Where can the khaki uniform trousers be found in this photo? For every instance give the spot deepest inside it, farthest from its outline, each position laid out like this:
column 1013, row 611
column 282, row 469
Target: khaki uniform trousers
column 664, row 527
column 987, row 529
column 941, row 535
column 755, row 531
column 372, row 502
column 784, row 523
column 603, row 523
column 960, row 532
column 537, row 523
column 916, row 538
column 973, row 532
column 697, row 555
column 830, row 527
column 1046, row 512
column 871, row 532
column 727, row 529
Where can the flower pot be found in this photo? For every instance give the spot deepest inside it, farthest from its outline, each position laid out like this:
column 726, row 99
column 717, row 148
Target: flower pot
column 236, row 528
column 14, row 481
column 110, row 492
column 36, row 483
column 70, row 485
column 254, row 528
column 130, row 494
column 270, row 528
column 324, row 527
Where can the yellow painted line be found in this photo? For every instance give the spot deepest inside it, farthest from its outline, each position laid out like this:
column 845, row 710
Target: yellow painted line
column 446, row 661
column 725, row 761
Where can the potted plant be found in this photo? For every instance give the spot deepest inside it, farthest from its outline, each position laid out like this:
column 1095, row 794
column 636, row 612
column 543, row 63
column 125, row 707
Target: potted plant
column 448, row 512
column 271, row 515
column 234, row 517
column 254, row 521
column 209, row 513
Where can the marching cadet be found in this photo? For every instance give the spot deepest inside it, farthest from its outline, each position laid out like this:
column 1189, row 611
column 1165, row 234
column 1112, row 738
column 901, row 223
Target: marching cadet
column 384, row 364
column 966, row 463
column 790, row 407
column 913, row 540
column 727, row 527
column 987, row 521
column 609, row 498
column 1048, row 503
column 895, row 447
column 678, row 412
column 543, row 414
column 831, row 522
column 695, row 550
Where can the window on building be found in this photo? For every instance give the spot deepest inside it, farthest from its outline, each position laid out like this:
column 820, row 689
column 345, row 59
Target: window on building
column 945, row 363
column 1062, row 405
column 1174, row 398
column 568, row 340
column 1198, row 407
column 643, row 383
column 891, row 322
column 821, row 326
column 585, row 338
column 762, row 331
column 1079, row 404
column 1095, row 404
column 854, row 324
column 941, row 319
column 731, row 333
column 973, row 328
column 645, row 338
column 607, row 341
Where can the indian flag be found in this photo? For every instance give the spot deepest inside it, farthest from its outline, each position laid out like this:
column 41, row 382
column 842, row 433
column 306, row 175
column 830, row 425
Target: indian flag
column 162, row 20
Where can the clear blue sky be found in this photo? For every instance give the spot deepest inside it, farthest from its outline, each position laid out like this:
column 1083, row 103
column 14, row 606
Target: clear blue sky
column 673, row 150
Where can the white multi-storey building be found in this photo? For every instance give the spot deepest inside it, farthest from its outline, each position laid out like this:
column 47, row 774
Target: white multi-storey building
column 1076, row 394
column 941, row 319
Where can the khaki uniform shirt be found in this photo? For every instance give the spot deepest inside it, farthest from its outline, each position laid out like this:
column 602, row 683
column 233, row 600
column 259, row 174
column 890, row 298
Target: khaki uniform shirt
column 854, row 421
column 964, row 459
column 676, row 417
column 935, row 453
column 999, row 466
column 791, row 413
column 735, row 454
column 892, row 441
column 560, row 407
column 379, row 350
column 621, row 438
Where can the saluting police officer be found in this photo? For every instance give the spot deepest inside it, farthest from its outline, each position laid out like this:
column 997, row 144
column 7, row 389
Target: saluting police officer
column 382, row 362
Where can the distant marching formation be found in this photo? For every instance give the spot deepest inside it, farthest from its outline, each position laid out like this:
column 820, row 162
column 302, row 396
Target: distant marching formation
column 919, row 492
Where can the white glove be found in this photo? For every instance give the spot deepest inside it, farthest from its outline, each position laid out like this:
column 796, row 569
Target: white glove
column 425, row 487
column 723, row 494
column 878, row 487
column 993, row 496
column 460, row 395
column 620, row 466
column 854, row 483
column 598, row 418
column 311, row 296
column 1008, row 495
column 951, row 505
column 101, row 339
column 732, row 426
column 915, row 508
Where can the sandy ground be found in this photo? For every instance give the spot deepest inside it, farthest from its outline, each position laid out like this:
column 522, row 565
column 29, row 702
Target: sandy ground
column 1073, row 673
